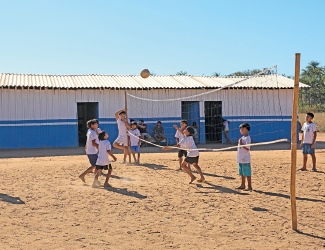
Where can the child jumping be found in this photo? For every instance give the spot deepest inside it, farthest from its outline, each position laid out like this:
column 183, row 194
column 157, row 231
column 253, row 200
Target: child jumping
column 103, row 160
column 308, row 141
column 244, row 157
column 179, row 136
column 192, row 156
column 121, row 141
column 91, row 147
column 134, row 135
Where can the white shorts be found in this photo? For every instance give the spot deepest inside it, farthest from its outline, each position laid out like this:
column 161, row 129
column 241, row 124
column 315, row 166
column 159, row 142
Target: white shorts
column 122, row 140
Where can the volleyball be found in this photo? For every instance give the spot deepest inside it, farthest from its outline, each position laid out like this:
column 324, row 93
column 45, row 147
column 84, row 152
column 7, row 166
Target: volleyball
column 145, row 73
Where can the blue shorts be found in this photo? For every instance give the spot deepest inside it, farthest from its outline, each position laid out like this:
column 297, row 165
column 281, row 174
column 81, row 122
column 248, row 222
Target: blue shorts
column 135, row 148
column 307, row 150
column 245, row 169
column 93, row 159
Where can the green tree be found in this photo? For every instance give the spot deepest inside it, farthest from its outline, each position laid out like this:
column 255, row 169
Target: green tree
column 251, row 72
column 314, row 76
column 216, row 74
column 181, row 73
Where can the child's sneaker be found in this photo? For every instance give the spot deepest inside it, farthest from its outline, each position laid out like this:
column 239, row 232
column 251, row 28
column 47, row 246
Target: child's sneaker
column 123, row 162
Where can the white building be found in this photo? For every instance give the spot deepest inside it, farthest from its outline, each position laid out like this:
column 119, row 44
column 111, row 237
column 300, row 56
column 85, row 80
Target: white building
column 52, row 110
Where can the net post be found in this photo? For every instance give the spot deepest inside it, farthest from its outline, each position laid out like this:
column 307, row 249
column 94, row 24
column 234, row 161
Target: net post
column 127, row 119
column 294, row 143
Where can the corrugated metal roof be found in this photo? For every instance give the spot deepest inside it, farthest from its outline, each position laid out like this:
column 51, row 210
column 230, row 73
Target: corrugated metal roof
column 137, row 82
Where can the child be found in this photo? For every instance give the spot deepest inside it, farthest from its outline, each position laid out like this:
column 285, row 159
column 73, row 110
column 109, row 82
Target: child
column 244, row 157
column 103, row 161
column 91, row 147
column 195, row 136
column 134, row 135
column 192, row 156
column 179, row 136
column 226, row 128
column 308, row 141
column 122, row 138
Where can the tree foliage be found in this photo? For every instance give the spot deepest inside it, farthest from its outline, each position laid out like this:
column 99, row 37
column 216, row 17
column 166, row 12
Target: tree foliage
column 181, row 73
column 314, row 76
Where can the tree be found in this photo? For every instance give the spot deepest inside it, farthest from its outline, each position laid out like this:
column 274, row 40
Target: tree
column 314, row 76
column 181, row 73
column 251, row 72
column 215, row 74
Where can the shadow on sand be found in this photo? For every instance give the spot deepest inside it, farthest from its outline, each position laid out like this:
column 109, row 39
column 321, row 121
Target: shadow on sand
column 219, row 188
column 287, row 196
column 125, row 191
column 11, row 199
column 310, row 235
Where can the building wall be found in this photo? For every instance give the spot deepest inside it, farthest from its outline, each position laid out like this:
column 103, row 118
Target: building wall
column 33, row 118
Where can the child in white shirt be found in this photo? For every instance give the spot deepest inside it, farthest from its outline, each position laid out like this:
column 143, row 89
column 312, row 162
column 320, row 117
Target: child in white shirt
column 179, row 136
column 134, row 135
column 308, row 141
column 244, row 157
column 192, row 155
column 103, row 162
column 226, row 129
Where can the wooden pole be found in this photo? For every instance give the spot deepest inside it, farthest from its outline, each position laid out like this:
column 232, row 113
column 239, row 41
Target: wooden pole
column 127, row 119
column 294, row 143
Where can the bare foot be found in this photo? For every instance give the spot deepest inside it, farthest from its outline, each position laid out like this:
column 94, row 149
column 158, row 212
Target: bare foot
column 302, row 169
column 96, row 184
column 201, row 180
column 82, row 178
column 241, row 187
column 314, row 170
column 193, row 179
column 107, row 185
column 249, row 188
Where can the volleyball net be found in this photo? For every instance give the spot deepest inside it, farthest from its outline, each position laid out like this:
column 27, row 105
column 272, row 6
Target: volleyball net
column 216, row 109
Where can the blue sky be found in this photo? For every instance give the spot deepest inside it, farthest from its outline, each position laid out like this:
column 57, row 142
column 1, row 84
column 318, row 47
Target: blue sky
column 123, row 37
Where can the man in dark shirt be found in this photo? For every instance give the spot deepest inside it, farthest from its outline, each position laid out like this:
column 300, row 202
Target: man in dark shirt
column 159, row 132
column 143, row 131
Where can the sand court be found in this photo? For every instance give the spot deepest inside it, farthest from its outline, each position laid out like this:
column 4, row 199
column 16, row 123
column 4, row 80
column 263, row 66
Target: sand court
column 44, row 205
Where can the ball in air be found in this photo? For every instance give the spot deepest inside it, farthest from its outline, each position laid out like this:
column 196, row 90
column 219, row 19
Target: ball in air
column 145, row 73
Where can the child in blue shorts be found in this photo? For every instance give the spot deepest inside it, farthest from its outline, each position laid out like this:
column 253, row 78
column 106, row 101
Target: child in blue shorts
column 244, row 157
column 308, row 141
column 135, row 136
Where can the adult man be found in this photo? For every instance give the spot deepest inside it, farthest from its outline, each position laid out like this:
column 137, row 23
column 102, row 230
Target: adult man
column 159, row 132
column 143, row 131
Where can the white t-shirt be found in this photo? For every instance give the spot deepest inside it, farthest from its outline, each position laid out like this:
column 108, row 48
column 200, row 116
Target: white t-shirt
column 188, row 143
column 309, row 129
column 103, row 159
column 179, row 135
column 244, row 156
column 134, row 140
column 121, row 127
column 91, row 135
column 225, row 123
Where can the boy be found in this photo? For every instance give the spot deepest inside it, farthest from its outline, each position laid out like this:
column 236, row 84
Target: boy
column 122, row 138
column 226, row 129
column 179, row 136
column 143, row 132
column 134, row 135
column 104, row 149
column 244, row 157
column 192, row 156
column 91, row 147
column 158, row 131
column 308, row 141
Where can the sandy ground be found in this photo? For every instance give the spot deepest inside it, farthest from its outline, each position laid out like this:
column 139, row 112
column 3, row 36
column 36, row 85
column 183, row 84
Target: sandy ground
column 44, row 205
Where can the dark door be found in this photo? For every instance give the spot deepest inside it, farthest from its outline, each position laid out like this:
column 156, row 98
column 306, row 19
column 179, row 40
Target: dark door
column 213, row 121
column 86, row 112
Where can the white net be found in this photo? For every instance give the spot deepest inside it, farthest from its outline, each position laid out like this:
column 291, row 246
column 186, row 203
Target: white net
column 260, row 100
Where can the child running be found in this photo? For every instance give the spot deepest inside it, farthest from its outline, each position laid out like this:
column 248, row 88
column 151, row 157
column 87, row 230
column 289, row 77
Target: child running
column 192, row 156
column 179, row 136
column 308, row 141
column 134, row 135
column 121, row 141
column 91, row 147
column 244, row 157
column 103, row 160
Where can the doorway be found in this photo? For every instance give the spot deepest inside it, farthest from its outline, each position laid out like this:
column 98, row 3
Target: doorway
column 213, row 121
column 191, row 113
column 86, row 112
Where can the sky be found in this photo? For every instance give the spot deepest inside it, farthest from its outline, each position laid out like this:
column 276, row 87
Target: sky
column 123, row 37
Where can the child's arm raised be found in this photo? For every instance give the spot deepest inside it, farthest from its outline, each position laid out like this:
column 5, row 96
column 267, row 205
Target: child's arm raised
column 117, row 114
column 175, row 126
column 113, row 156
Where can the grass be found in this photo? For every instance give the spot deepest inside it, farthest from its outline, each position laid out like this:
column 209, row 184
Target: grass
column 319, row 119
